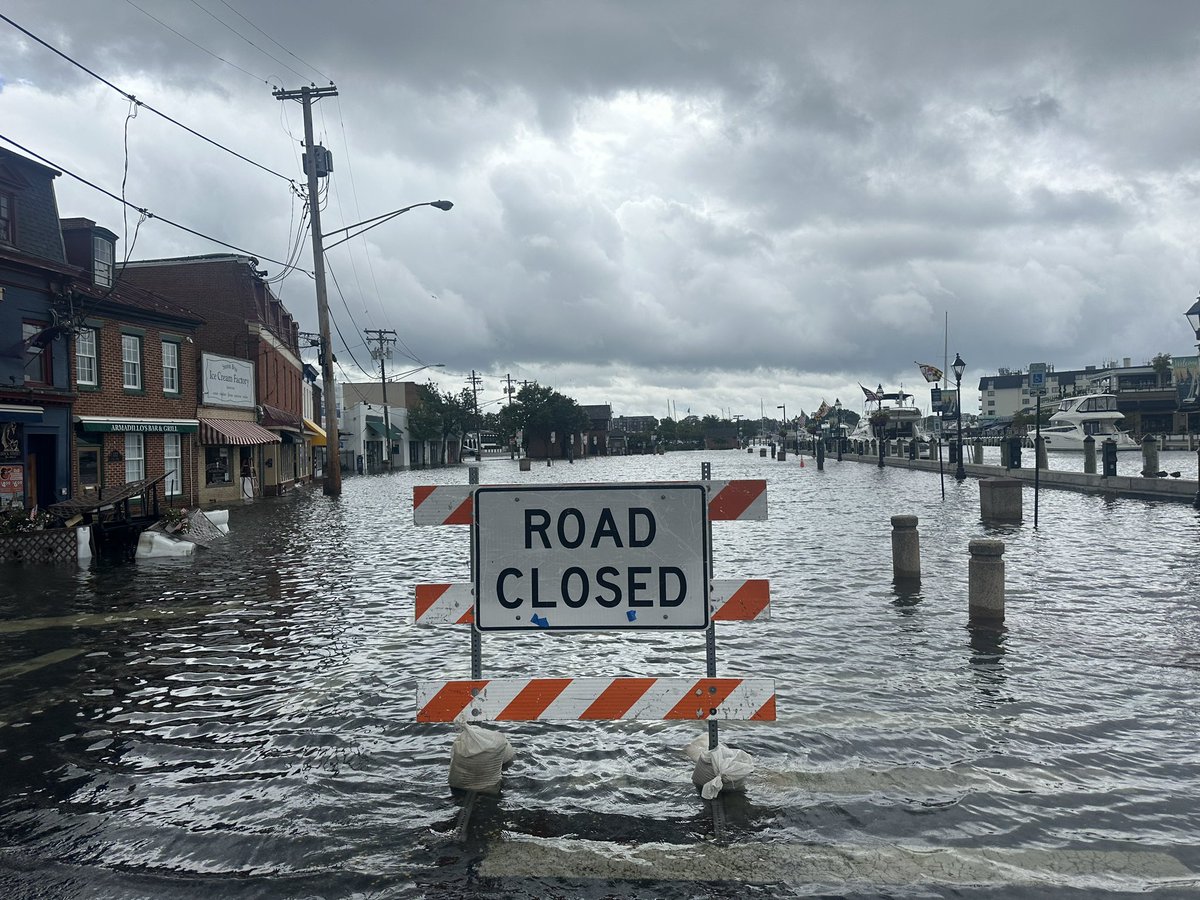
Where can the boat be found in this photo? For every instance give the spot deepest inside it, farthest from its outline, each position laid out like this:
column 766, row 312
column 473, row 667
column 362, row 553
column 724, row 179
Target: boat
column 1094, row 415
column 904, row 420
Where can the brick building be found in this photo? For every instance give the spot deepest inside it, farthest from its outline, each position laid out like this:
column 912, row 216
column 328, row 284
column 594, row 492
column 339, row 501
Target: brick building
column 133, row 370
column 244, row 321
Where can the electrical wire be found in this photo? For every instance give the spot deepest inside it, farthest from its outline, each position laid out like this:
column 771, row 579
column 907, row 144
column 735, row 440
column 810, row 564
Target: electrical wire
column 198, row 46
column 277, row 44
column 132, row 99
column 246, row 39
column 143, row 211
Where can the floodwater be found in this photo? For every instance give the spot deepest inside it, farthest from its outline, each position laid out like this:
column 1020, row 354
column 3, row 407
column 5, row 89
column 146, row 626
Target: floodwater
column 241, row 724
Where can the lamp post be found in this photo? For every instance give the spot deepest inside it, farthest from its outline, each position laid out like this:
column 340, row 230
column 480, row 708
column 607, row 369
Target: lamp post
column 1193, row 318
column 959, row 367
column 333, row 462
column 837, row 404
column 737, row 422
column 783, row 428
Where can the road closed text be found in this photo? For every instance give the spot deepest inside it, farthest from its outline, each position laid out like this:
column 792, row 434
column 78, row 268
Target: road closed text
column 591, row 556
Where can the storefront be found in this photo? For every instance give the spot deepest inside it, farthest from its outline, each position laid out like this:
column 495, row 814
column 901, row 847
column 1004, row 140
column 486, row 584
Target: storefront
column 232, row 448
column 112, row 451
column 314, row 438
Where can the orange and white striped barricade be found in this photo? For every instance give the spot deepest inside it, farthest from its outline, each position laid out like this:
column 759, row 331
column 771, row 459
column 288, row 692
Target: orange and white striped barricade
column 730, row 600
column 596, row 699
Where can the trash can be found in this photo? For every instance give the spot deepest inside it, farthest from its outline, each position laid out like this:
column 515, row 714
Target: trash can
column 1110, row 458
column 1014, row 453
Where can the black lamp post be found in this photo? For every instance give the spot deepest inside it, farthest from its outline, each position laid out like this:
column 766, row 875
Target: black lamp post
column 959, row 367
column 783, row 428
column 1193, row 317
column 837, row 404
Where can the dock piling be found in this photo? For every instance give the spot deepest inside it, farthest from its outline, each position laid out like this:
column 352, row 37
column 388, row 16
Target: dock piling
column 985, row 601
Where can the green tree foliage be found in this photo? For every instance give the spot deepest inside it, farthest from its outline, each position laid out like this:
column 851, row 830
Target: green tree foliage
column 538, row 411
column 1162, row 368
column 441, row 416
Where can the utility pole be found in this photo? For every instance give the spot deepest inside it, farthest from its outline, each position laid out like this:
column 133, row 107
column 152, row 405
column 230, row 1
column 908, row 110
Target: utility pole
column 475, row 380
column 382, row 351
column 317, row 164
column 509, row 389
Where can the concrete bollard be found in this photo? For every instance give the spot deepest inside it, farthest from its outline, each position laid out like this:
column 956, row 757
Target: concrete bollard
column 985, row 578
column 525, row 462
column 1089, row 455
column 906, row 549
column 1149, row 456
column 1039, row 454
column 762, row 452
column 978, row 445
column 1000, row 500
column 782, row 456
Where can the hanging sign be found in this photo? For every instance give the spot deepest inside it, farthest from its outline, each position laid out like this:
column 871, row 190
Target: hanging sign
column 591, row 557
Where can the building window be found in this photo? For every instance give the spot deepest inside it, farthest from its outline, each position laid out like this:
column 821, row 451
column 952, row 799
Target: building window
column 131, row 353
column 170, row 359
column 102, row 261
column 85, row 357
column 135, row 457
column 8, row 230
column 89, row 468
column 216, row 465
column 38, row 358
column 171, row 457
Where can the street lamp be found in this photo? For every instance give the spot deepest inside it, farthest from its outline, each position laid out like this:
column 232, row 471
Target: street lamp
column 959, row 367
column 1193, row 318
column 333, row 469
column 783, row 430
column 837, row 404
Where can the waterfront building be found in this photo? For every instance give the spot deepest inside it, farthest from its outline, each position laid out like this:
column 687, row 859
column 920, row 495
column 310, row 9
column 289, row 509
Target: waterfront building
column 35, row 391
column 251, row 371
column 635, row 424
column 600, row 424
column 133, row 371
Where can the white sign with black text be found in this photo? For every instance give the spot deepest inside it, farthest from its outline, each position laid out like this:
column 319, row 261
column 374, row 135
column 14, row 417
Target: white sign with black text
column 226, row 381
column 591, row 557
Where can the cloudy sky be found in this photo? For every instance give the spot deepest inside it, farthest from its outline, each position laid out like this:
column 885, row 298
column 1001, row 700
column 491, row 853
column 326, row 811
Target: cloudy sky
column 724, row 205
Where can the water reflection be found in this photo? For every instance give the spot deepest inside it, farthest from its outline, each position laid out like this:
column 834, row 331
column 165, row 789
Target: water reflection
column 241, row 723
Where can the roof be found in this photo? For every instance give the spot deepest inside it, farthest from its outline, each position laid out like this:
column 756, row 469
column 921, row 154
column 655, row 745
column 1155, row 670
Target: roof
column 131, row 296
column 107, row 497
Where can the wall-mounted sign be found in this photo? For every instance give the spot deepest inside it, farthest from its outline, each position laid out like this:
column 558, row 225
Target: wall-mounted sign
column 10, row 442
column 226, row 381
column 12, row 486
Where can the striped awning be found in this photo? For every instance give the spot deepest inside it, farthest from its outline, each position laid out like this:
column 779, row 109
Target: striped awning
column 232, row 431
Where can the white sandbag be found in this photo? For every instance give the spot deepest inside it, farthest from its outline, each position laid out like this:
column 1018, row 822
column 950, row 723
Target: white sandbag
column 83, row 543
column 722, row 768
column 156, row 545
column 218, row 517
column 477, row 758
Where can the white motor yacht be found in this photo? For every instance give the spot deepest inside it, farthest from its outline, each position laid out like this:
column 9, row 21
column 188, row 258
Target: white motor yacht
column 1089, row 414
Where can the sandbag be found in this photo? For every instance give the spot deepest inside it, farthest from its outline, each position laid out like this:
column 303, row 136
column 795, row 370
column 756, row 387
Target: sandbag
column 722, row 768
column 477, row 758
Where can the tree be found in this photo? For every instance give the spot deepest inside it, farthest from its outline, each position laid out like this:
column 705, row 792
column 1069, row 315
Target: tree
column 1162, row 368
column 440, row 416
column 540, row 411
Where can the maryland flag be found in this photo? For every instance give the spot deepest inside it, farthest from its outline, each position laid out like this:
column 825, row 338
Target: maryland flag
column 822, row 411
column 931, row 373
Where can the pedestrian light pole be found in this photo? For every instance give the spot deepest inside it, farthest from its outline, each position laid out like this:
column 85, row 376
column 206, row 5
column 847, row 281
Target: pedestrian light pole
column 1193, row 319
column 837, row 404
column 318, row 163
column 384, row 339
column 783, row 429
column 959, row 367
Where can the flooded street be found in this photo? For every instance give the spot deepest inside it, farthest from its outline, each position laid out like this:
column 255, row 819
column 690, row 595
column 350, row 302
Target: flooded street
column 242, row 723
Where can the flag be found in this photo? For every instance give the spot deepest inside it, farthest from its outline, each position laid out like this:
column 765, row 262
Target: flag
column 822, row 411
column 801, row 420
column 870, row 395
column 931, row 373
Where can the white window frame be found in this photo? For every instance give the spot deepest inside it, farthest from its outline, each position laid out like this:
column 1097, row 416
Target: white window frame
column 135, row 456
column 102, row 261
column 173, row 387
column 131, row 362
column 172, row 464
column 87, row 339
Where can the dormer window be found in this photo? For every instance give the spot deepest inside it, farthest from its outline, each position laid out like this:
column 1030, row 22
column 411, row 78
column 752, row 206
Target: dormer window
column 102, row 261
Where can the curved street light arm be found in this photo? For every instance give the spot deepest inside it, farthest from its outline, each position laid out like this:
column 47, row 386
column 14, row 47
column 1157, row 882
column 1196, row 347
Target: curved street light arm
column 443, row 205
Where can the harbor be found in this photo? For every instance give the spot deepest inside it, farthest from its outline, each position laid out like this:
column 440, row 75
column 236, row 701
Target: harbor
column 243, row 722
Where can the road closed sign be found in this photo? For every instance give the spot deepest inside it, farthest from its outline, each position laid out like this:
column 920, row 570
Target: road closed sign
column 591, row 557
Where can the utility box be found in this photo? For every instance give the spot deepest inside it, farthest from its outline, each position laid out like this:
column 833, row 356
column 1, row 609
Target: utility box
column 323, row 159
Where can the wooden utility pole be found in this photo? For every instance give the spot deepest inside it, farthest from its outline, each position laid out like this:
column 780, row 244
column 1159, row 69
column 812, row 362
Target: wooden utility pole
column 382, row 351
column 316, row 162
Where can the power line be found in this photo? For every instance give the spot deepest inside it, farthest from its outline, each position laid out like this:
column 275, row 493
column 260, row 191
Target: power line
column 198, row 46
column 132, row 99
column 244, row 38
column 277, row 44
column 142, row 210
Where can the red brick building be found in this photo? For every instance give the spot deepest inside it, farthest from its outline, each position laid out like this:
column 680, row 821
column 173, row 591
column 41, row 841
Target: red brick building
column 242, row 320
column 133, row 368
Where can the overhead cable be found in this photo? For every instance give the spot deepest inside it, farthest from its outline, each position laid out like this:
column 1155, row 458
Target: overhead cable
column 132, row 99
